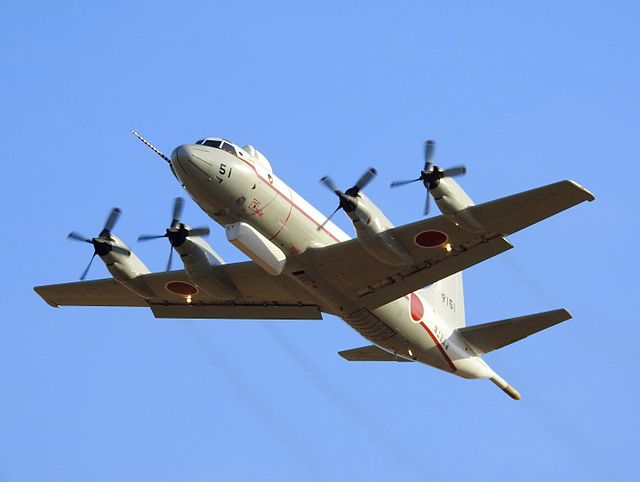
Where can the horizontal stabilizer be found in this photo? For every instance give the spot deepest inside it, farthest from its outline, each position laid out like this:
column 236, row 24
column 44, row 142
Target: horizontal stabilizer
column 370, row 353
column 491, row 336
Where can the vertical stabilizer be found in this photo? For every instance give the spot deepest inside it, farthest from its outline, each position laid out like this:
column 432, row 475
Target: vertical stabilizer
column 446, row 297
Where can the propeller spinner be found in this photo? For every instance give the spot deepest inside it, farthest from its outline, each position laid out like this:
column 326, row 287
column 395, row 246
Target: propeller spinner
column 349, row 198
column 431, row 174
column 103, row 244
column 177, row 232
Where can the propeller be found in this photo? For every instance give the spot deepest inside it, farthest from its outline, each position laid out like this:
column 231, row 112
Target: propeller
column 431, row 174
column 349, row 198
column 103, row 243
column 177, row 232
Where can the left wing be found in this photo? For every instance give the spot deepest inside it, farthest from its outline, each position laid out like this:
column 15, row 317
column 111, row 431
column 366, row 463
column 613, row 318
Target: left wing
column 347, row 270
column 262, row 296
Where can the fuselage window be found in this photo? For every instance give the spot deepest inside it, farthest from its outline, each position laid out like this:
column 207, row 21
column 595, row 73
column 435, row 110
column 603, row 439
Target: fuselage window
column 211, row 143
column 229, row 148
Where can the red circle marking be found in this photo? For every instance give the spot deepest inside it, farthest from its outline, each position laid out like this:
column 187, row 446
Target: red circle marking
column 417, row 308
column 430, row 239
column 181, row 288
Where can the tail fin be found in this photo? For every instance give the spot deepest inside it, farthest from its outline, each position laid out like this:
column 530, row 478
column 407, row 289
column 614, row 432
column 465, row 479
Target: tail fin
column 491, row 336
column 447, row 299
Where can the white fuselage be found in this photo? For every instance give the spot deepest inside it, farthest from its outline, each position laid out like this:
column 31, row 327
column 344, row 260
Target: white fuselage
column 240, row 187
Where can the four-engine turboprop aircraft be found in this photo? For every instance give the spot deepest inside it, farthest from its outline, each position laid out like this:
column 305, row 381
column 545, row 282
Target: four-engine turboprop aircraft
column 399, row 287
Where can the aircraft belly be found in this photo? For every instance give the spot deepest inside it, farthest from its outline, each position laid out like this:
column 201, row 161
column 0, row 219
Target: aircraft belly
column 370, row 326
column 420, row 339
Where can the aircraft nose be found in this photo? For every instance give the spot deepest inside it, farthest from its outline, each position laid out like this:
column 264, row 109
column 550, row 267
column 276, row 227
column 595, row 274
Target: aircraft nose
column 185, row 159
column 189, row 164
column 181, row 154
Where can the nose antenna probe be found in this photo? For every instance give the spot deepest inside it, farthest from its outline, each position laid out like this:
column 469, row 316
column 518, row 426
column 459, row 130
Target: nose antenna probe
column 151, row 146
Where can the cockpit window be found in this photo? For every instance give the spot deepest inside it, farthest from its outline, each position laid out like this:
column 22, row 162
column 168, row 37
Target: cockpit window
column 212, row 143
column 201, row 141
column 229, row 148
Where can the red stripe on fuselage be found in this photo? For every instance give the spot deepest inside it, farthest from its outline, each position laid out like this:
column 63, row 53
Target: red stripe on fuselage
column 290, row 201
column 435, row 340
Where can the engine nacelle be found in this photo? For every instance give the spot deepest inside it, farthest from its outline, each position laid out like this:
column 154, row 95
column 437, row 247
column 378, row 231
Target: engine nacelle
column 127, row 269
column 199, row 258
column 372, row 230
column 453, row 202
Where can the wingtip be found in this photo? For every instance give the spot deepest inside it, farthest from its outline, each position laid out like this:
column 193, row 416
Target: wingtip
column 566, row 313
column 588, row 194
column 38, row 290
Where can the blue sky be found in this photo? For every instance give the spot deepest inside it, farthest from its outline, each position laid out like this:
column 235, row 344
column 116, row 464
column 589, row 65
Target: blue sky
column 524, row 95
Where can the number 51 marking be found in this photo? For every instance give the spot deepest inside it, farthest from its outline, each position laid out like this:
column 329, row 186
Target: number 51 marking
column 223, row 170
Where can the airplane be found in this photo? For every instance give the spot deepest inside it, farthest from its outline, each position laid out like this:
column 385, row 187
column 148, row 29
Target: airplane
column 399, row 287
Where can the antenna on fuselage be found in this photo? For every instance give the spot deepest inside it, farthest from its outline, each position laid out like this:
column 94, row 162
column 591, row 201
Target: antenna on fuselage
column 151, row 146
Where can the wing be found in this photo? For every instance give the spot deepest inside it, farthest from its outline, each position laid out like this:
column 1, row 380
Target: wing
column 364, row 282
column 262, row 296
column 370, row 353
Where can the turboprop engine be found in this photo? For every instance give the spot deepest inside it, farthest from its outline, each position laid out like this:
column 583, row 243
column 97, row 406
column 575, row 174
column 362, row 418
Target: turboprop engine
column 370, row 223
column 449, row 196
column 197, row 256
column 121, row 262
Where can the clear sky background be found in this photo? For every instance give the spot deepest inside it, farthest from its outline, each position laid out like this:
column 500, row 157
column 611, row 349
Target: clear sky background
column 524, row 95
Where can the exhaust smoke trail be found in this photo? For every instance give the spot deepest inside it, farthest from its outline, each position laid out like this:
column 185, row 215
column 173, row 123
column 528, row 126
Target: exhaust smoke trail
column 335, row 394
column 243, row 390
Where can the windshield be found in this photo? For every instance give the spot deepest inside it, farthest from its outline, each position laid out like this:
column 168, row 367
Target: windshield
column 212, row 143
column 218, row 144
column 229, row 148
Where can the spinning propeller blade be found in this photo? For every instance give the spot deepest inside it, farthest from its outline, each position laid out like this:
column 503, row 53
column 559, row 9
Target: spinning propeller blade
column 178, row 206
column 168, row 268
column 111, row 220
column 429, row 150
column 402, row 183
column 79, row 237
column 86, row 270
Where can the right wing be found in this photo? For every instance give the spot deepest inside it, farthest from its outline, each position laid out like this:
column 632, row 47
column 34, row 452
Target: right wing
column 262, row 296
column 347, row 270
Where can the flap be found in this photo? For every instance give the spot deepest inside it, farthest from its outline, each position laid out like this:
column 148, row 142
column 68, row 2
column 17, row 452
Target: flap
column 238, row 311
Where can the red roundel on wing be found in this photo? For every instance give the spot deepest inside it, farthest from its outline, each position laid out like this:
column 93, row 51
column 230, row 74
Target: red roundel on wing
column 181, row 288
column 430, row 239
column 417, row 309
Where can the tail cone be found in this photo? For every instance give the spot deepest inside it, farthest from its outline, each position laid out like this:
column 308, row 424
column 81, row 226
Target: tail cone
column 505, row 387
